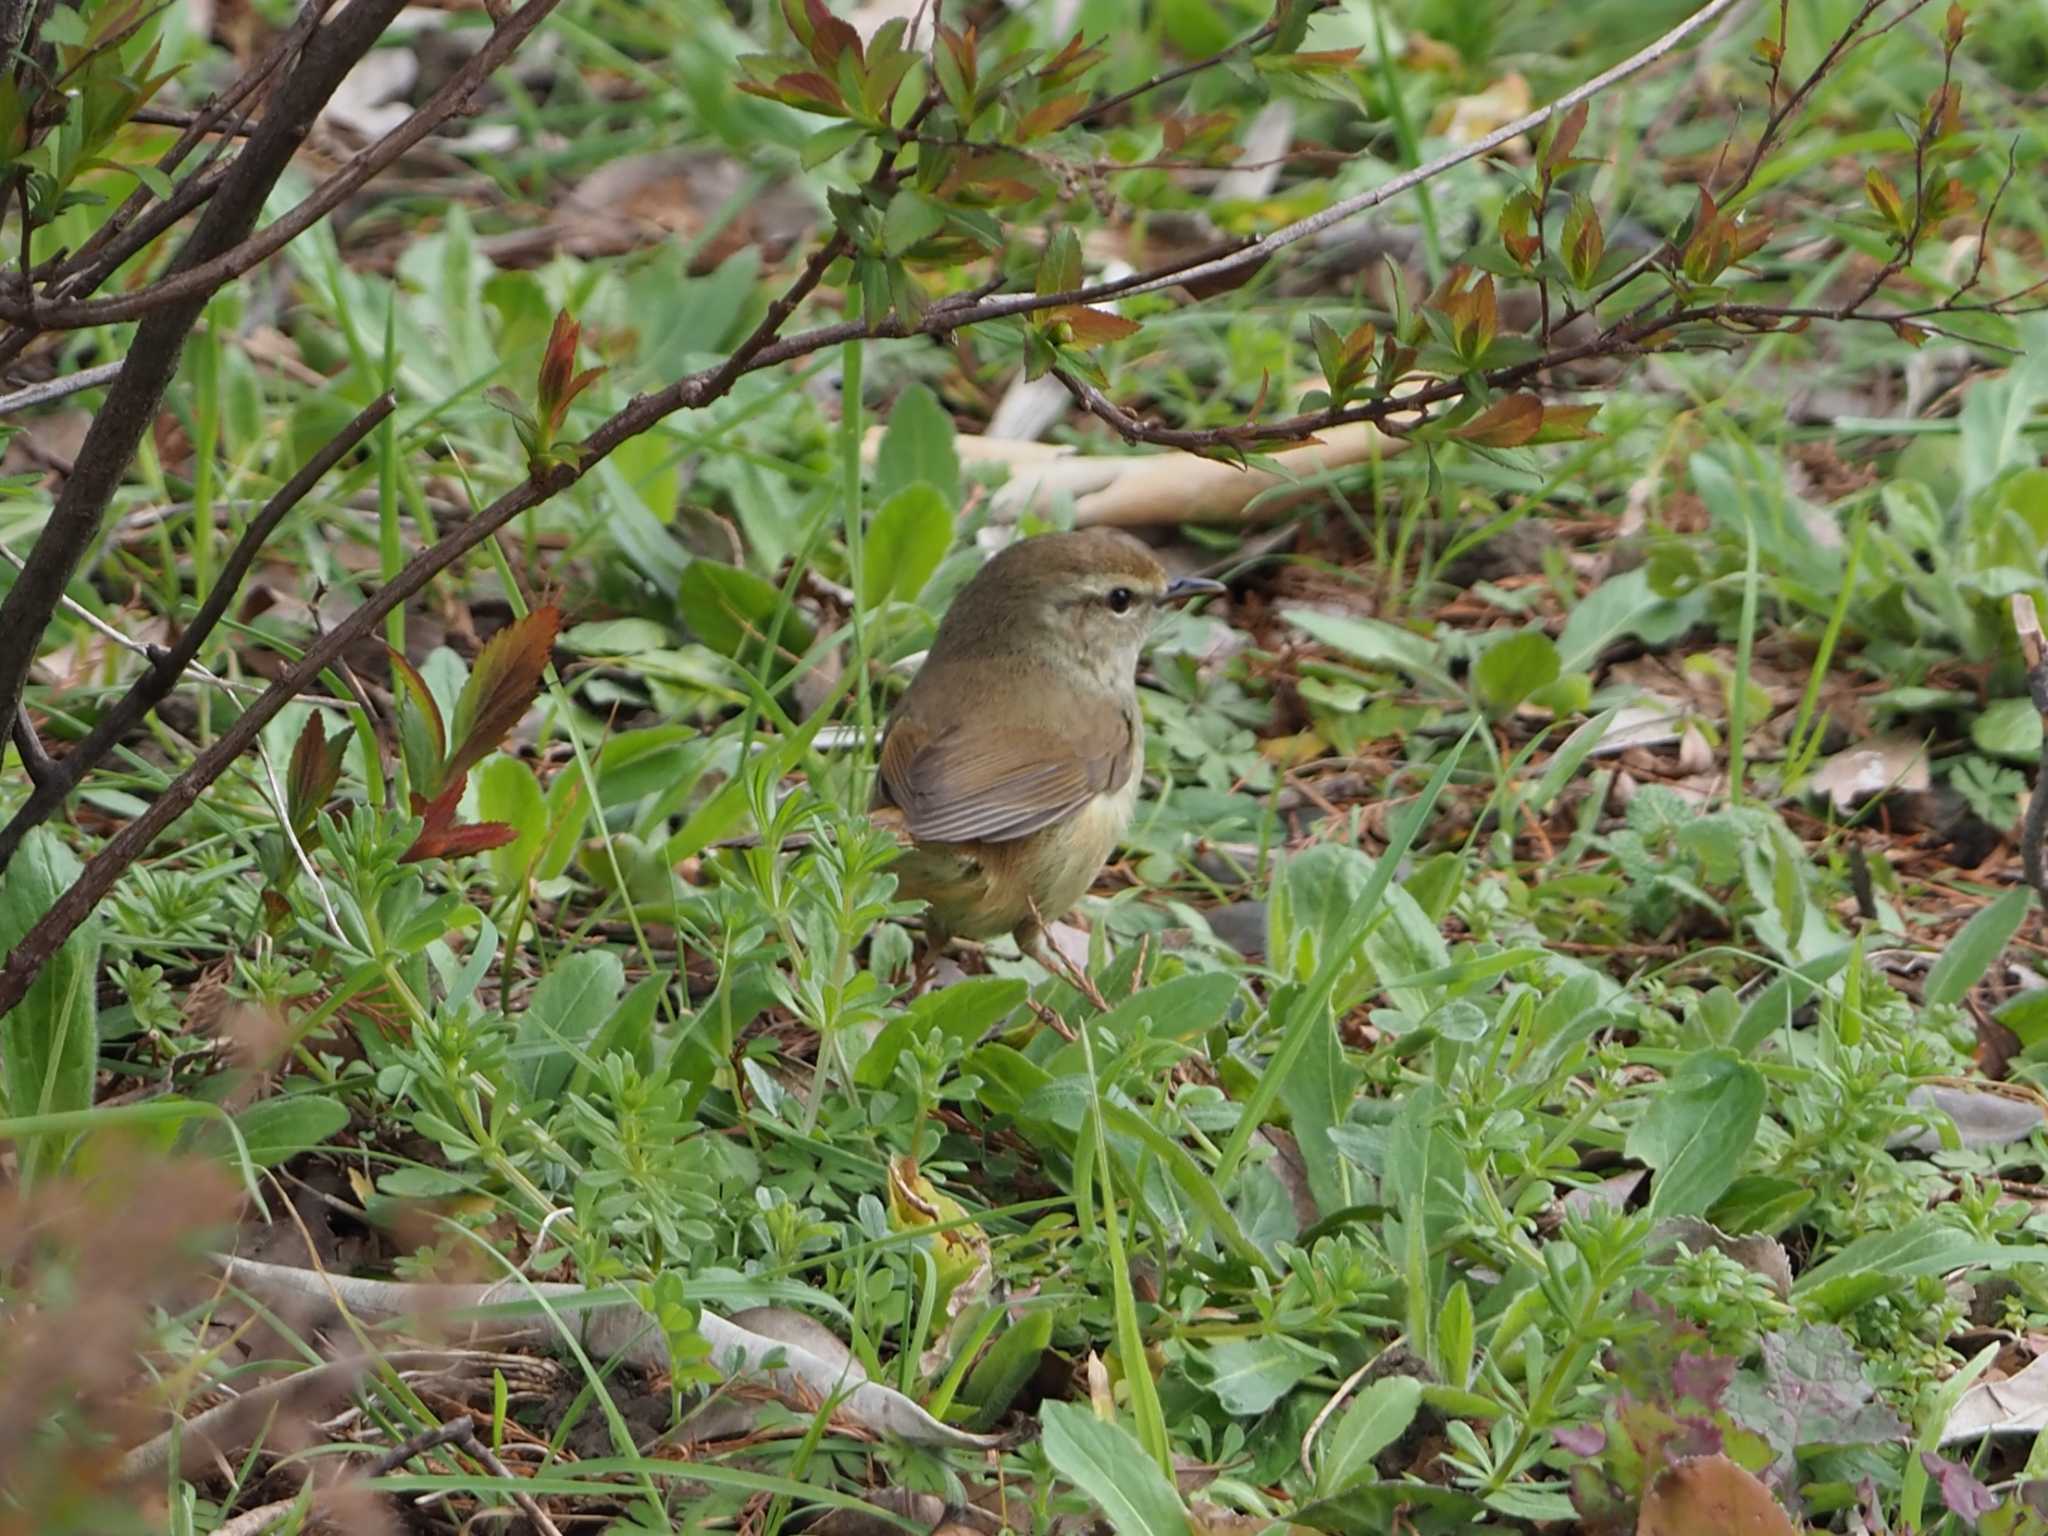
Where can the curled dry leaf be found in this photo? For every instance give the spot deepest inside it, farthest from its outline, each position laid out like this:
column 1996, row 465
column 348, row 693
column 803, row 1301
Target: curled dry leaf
column 2014, row 1406
column 1884, row 764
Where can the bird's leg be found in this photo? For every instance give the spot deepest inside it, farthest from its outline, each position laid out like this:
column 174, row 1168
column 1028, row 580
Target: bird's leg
column 1033, row 940
column 924, row 963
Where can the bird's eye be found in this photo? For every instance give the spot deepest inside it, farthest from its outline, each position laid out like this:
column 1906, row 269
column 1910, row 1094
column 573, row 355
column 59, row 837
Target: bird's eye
column 1119, row 599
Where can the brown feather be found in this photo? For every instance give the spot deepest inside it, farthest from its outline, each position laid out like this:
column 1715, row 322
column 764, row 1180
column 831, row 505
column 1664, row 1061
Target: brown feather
column 1003, row 780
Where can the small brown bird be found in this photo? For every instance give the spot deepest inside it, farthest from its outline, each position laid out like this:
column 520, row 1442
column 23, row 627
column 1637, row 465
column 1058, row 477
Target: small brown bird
column 1013, row 758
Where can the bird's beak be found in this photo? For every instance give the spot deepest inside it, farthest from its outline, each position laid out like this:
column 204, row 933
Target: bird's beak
column 1182, row 588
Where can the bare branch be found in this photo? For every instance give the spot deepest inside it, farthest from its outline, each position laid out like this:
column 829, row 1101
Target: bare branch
column 59, row 389
column 35, row 762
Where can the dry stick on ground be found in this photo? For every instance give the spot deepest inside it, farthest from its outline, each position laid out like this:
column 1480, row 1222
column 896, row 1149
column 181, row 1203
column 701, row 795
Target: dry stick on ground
column 131, row 405
column 167, row 667
column 699, row 389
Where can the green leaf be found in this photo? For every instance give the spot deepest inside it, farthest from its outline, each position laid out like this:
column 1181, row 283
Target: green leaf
column 968, row 1009
column 965, row 1012
column 827, row 142
column 1307, row 1011
column 422, row 741
column 912, row 218
column 1625, row 605
column 1773, row 1007
column 1512, row 669
column 1373, row 642
column 2026, row 1016
column 1569, row 757
column 1454, row 1337
column 1379, row 1417
column 568, row 1005
column 280, row 1128
column 507, row 792
column 1105, row 1462
column 1697, row 1130
column 1248, row 1376
column 623, row 638
column 1976, row 948
column 1011, row 1361
column 734, row 611
column 49, row 1041
column 906, row 541
column 1194, row 1181
column 2009, row 728
column 1882, row 1261
column 918, row 445
column 1187, row 1006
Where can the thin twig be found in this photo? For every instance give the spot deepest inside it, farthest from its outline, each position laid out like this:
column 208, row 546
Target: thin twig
column 528, row 1505
column 35, row 762
column 58, row 389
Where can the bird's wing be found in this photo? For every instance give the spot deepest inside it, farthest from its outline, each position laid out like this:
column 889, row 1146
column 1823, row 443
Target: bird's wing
column 1005, row 781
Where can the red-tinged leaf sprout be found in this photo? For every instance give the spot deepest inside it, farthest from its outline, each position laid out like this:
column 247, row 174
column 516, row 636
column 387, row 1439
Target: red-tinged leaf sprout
column 503, row 682
column 1507, row 423
column 560, row 383
column 309, row 783
column 1092, row 327
column 824, row 34
column 441, row 838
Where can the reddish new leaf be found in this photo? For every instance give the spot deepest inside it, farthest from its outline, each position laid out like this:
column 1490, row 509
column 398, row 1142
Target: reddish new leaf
column 560, row 383
column 1070, row 63
column 1474, row 315
column 1517, row 228
column 1884, row 197
column 1584, row 242
column 502, row 684
column 1507, row 423
column 1564, row 138
column 1092, row 327
column 830, row 37
column 807, row 91
column 1050, row 114
column 315, row 770
column 441, row 838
